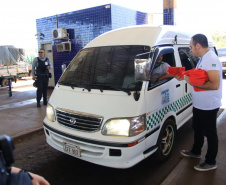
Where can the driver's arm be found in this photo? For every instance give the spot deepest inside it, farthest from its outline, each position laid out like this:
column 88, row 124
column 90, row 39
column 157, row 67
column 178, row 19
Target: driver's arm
column 164, row 77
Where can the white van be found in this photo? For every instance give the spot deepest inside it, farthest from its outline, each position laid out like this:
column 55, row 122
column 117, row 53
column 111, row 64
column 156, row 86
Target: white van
column 104, row 111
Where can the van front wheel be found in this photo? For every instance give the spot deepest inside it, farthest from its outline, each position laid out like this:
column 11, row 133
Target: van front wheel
column 166, row 140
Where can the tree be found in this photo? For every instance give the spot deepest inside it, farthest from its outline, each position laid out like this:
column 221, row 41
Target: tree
column 219, row 38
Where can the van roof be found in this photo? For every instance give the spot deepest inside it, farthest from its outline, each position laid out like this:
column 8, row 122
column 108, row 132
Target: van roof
column 147, row 35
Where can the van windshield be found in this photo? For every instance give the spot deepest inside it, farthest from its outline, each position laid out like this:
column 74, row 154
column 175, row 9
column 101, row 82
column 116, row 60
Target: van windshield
column 104, row 68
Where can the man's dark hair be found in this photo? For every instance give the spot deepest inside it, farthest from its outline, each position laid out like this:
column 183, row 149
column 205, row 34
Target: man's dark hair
column 42, row 49
column 201, row 39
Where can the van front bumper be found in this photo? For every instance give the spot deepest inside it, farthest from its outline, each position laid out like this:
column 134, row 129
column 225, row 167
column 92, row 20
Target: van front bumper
column 115, row 155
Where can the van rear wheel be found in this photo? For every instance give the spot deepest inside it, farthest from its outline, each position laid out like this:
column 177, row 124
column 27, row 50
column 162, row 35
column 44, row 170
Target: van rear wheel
column 166, row 140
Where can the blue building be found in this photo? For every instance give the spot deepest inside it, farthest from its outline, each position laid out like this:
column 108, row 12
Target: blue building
column 62, row 36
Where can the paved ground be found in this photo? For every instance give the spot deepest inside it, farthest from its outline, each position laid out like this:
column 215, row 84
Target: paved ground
column 184, row 173
column 18, row 113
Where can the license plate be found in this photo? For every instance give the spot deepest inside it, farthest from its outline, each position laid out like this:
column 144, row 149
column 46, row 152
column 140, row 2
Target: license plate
column 72, row 149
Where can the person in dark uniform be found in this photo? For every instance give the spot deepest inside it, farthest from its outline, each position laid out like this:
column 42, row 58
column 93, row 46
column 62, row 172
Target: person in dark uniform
column 40, row 70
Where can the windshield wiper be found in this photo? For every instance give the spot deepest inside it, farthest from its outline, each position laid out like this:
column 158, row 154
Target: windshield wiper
column 74, row 85
column 89, row 85
column 111, row 87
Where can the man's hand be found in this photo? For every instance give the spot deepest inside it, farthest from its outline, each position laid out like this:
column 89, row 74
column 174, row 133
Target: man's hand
column 48, row 67
column 187, row 78
column 178, row 78
column 33, row 77
column 38, row 180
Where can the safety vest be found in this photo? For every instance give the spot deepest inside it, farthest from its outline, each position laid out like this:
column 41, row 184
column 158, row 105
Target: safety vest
column 41, row 69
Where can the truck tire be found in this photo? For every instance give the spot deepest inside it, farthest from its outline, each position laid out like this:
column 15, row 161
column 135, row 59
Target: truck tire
column 5, row 83
column 166, row 141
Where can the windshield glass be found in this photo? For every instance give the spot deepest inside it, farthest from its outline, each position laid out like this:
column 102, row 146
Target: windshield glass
column 104, row 68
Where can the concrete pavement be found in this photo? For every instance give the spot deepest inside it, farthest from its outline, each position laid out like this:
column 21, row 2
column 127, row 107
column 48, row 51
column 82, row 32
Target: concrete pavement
column 184, row 173
column 18, row 113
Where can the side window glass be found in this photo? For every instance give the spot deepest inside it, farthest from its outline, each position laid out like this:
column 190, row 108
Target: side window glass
column 169, row 59
column 187, row 59
column 158, row 74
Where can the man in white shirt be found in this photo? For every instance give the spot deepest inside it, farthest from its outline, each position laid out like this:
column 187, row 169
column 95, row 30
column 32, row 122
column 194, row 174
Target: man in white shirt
column 205, row 104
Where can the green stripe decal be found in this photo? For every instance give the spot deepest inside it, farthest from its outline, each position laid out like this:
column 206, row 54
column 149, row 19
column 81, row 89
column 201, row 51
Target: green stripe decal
column 156, row 118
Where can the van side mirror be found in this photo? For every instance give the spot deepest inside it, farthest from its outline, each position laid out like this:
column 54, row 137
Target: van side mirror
column 142, row 66
column 142, row 69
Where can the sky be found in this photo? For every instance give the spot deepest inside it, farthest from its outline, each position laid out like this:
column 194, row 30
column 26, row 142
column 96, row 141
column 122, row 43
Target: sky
column 18, row 17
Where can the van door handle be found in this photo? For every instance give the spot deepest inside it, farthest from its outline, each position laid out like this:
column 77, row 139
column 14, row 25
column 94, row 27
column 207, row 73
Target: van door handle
column 178, row 85
column 186, row 87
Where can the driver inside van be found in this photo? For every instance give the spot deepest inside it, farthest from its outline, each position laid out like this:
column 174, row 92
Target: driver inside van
column 159, row 72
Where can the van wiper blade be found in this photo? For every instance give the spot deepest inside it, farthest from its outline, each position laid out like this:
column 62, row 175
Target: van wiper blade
column 111, row 87
column 74, row 85
column 97, row 85
column 81, row 86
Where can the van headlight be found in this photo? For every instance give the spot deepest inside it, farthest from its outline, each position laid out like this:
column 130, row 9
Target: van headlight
column 50, row 113
column 125, row 126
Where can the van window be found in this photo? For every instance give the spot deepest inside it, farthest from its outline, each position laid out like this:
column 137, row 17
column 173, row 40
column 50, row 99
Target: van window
column 160, row 67
column 187, row 59
column 104, row 68
column 169, row 59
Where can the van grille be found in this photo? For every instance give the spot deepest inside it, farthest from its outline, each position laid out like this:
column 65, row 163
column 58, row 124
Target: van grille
column 78, row 121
